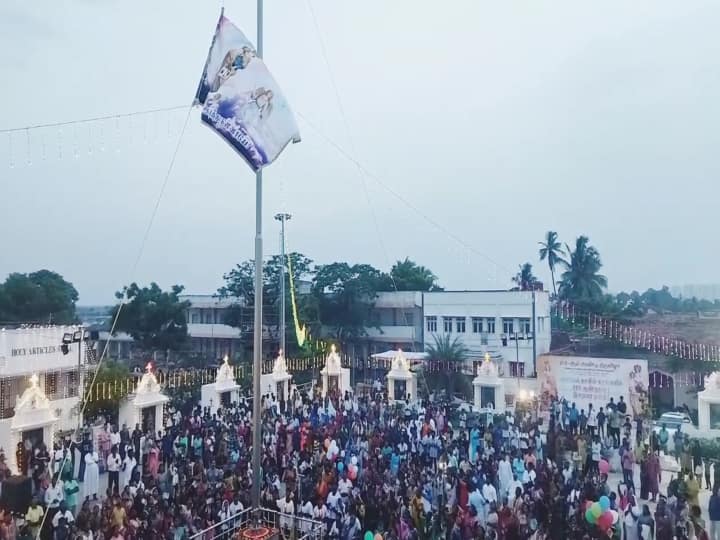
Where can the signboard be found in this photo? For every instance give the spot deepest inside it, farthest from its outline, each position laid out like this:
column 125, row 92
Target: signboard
column 585, row 380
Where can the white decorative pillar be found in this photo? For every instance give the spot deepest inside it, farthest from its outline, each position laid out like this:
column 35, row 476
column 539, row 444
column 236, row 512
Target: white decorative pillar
column 709, row 403
column 277, row 382
column 488, row 378
column 334, row 376
column 147, row 395
column 211, row 394
column 402, row 383
column 32, row 412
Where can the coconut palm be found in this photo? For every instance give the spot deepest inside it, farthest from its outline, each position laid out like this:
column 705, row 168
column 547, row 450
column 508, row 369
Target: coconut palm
column 552, row 250
column 581, row 282
column 524, row 279
column 448, row 351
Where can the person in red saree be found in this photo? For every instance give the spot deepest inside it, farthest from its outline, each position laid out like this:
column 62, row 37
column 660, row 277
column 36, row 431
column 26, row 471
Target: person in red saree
column 653, row 472
column 463, row 493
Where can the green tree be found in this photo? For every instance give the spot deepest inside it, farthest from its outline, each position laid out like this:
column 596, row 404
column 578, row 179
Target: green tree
column 108, row 373
column 39, row 297
column 407, row 275
column 240, row 285
column 524, row 279
column 581, row 281
column 452, row 352
column 552, row 250
column 153, row 317
column 345, row 297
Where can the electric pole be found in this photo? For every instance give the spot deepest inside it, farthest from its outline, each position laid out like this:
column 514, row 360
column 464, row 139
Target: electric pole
column 282, row 218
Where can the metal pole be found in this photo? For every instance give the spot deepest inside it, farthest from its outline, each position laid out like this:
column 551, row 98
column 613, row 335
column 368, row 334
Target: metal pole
column 282, row 218
column 517, row 357
column 80, row 380
column 257, row 323
column 534, row 337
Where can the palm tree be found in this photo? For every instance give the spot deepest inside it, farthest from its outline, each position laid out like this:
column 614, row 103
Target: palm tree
column 551, row 250
column 581, row 281
column 525, row 279
column 451, row 351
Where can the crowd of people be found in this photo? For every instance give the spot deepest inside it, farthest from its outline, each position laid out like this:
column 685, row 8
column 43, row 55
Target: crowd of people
column 361, row 467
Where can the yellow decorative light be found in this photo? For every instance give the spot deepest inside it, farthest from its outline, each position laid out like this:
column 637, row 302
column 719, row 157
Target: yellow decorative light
column 300, row 331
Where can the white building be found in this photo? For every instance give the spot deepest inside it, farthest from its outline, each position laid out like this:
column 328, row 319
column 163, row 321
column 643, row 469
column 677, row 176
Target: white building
column 496, row 322
column 30, row 355
column 398, row 320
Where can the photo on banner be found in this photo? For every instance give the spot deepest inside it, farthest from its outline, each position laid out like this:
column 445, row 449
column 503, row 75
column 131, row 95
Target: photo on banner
column 241, row 100
column 584, row 380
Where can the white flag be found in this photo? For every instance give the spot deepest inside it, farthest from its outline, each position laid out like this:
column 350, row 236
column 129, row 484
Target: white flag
column 241, row 100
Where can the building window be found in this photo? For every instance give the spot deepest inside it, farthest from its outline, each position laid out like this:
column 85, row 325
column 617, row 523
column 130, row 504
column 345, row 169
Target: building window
column 447, row 324
column 460, row 325
column 477, row 323
column 517, row 369
column 525, row 327
column 431, row 323
column 409, row 318
column 195, row 318
column 508, row 327
column 490, row 325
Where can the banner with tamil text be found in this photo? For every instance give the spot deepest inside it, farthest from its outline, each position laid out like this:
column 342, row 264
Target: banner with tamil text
column 585, row 380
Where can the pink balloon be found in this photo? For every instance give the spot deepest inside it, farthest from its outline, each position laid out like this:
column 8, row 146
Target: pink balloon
column 604, row 466
column 605, row 520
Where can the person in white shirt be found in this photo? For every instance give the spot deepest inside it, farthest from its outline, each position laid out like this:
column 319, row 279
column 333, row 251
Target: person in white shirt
column 489, row 493
column 62, row 513
column 286, row 507
column 592, row 420
column 512, row 489
column 306, row 512
column 113, row 468
column 333, row 505
column 505, row 475
column 128, row 466
column 344, row 485
column 54, row 494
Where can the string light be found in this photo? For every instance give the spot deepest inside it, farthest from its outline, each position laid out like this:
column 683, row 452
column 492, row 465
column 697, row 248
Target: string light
column 642, row 339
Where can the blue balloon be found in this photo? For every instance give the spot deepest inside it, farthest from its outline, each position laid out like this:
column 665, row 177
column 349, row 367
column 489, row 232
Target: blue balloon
column 341, row 466
column 604, row 503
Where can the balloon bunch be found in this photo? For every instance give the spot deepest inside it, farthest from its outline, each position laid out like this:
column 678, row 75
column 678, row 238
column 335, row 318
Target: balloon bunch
column 353, row 469
column 369, row 536
column 599, row 514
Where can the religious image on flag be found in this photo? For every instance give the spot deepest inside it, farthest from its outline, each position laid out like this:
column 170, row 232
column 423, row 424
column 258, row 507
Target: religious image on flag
column 241, row 100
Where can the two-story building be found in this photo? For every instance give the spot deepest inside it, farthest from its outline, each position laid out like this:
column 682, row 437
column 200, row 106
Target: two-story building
column 498, row 322
column 398, row 322
column 39, row 384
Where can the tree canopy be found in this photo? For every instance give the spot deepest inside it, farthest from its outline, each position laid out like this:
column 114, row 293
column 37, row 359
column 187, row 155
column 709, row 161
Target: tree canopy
column 153, row 317
column 581, row 282
column 524, row 279
column 552, row 251
column 345, row 296
column 407, row 275
column 39, row 297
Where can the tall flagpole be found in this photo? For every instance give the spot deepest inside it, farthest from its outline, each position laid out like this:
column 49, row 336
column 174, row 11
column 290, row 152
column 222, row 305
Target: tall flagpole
column 257, row 342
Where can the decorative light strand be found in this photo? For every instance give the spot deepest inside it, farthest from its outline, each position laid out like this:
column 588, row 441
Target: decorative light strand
column 639, row 338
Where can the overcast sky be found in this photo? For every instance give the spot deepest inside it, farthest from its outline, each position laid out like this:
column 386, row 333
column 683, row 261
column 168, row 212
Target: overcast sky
column 499, row 120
